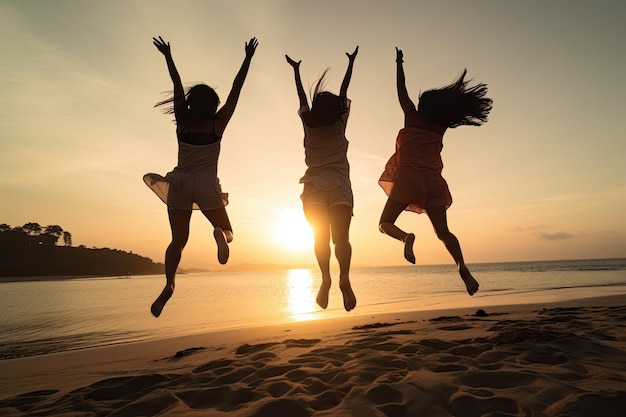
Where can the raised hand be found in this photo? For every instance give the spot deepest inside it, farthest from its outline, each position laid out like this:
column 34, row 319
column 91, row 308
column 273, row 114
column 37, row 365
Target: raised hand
column 343, row 91
column 251, row 47
column 292, row 62
column 162, row 46
column 296, row 73
column 352, row 56
column 399, row 55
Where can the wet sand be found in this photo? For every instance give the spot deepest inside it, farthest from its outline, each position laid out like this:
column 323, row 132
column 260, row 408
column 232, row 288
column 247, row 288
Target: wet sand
column 556, row 359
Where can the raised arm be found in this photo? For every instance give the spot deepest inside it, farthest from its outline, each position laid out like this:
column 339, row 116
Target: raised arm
column 403, row 96
column 296, row 73
column 343, row 92
column 227, row 110
column 179, row 92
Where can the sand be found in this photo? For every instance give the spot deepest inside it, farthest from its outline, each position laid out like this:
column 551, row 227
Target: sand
column 560, row 359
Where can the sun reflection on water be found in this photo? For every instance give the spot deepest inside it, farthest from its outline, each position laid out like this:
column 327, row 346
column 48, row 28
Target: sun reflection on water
column 300, row 294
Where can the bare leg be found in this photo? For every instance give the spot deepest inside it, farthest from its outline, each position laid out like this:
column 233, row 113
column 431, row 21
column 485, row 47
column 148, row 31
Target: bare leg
column 222, row 233
column 340, row 218
column 179, row 224
column 317, row 216
column 439, row 220
column 387, row 226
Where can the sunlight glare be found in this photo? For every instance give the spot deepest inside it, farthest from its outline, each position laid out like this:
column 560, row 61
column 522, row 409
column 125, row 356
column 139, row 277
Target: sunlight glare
column 300, row 294
column 293, row 233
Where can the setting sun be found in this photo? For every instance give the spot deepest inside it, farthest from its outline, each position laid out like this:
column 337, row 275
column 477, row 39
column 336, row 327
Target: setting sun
column 292, row 231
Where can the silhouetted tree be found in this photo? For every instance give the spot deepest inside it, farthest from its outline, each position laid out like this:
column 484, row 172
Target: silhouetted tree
column 67, row 238
column 15, row 236
column 51, row 235
column 29, row 251
column 33, row 229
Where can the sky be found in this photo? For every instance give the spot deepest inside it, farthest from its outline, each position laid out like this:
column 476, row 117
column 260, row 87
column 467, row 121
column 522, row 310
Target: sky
column 543, row 179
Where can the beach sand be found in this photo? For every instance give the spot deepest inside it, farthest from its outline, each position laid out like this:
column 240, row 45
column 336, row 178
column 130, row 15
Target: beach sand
column 560, row 359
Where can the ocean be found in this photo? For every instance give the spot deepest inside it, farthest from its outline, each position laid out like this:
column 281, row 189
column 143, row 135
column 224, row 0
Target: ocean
column 43, row 317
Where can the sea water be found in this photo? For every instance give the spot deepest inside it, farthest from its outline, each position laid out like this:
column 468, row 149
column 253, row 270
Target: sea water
column 41, row 317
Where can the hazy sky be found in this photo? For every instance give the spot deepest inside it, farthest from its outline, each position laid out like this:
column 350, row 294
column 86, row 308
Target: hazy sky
column 545, row 178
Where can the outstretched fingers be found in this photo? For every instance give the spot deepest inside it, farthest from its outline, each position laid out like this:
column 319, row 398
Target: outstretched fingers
column 251, row 46
column 159, row 41
column 161, row 45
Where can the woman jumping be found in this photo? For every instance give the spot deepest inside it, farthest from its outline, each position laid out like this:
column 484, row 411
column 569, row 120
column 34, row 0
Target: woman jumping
column 327, row 197
column 412, row 177
column 194, row 184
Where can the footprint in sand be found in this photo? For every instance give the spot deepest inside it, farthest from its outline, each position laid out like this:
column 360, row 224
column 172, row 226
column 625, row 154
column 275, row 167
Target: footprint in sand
column 383, row 394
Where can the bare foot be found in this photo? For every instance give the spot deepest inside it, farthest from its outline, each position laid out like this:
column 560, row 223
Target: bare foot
column 222, row 247
column 470, row 283
column 408, row 248
column 159, row 303
column 322, row 294
column 349, row 299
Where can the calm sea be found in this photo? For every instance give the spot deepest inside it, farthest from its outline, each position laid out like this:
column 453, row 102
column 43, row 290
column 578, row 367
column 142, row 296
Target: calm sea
column 41, row 317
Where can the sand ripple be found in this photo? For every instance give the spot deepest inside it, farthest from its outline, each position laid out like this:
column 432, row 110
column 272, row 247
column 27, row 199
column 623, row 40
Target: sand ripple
column 556, row 362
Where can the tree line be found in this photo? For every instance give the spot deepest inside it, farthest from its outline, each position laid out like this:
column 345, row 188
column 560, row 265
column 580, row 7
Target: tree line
column 35, row 250
column 35, row 234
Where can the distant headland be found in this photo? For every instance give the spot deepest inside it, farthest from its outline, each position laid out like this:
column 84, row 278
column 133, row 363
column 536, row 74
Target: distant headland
column 32, row 250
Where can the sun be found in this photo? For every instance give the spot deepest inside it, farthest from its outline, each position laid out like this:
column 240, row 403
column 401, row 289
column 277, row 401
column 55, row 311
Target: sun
column 292, row 232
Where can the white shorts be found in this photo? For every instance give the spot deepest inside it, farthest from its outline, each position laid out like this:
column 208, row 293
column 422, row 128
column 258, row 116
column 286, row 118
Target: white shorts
column 187, row 190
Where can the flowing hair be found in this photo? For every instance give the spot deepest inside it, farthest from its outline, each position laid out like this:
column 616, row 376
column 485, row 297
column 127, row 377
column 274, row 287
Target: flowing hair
column 456, row 104
column 330, row 102
column 319, row 87
column 192, row 112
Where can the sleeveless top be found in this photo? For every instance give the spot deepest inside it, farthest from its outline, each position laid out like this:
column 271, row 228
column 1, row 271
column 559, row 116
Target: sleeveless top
column 198, row 154
column 325, row 150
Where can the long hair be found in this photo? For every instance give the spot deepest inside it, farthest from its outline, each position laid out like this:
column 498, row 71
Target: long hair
column 201, row 102
column 456, row 104
column 325, row 101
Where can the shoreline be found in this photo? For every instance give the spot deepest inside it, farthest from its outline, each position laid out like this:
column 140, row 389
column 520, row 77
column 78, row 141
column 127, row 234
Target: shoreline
column 422, row 305
column 244, row 267
column 388, row 338
column 40, row 278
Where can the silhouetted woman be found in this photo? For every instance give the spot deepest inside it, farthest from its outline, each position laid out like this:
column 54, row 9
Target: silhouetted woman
column 193, row 184
column 412, row 177
column 327, row 196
